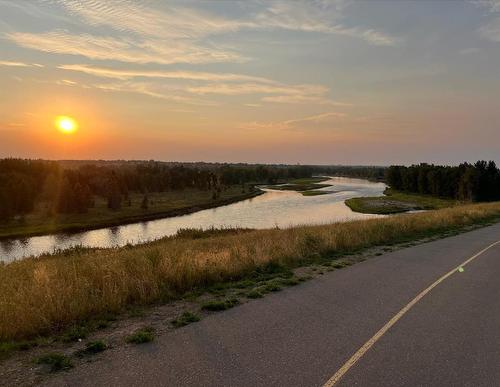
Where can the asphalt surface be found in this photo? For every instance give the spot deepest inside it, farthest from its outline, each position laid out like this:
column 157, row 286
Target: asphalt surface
column 304, row 334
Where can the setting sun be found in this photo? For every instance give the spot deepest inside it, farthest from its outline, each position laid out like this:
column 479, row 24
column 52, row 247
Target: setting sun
column 66, row 124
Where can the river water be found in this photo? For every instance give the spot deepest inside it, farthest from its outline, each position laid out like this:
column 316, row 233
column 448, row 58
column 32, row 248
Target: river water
column 271, row 209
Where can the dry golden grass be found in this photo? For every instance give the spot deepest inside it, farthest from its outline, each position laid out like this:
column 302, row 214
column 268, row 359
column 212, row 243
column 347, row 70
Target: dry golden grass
column 42, row 295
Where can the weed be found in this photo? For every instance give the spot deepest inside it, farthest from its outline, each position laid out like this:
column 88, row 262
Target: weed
column 75, row 333
column 214, row 306
column 6, row 348
column 136, row 312
column 92, row 348
column 272, row 287
column 185, row 319
column 254, row 294
column 56, row 361
column 143, row 335
column 289, row 281
column 102, row 324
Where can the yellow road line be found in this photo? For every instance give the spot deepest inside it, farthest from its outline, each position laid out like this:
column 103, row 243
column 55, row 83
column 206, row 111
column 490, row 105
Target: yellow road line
column 360, row 352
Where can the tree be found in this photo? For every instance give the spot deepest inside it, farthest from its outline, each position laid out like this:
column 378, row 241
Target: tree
column 114, row 200
column 145, row 202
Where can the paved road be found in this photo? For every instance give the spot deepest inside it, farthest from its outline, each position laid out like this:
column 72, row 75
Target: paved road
column 303, row 335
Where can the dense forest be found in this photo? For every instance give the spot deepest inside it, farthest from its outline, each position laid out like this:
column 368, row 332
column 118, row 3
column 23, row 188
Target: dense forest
column 470, row 182
column 71, row 186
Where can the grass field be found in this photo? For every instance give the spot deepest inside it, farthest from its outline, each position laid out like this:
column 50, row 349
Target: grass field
column 45, row 295
column 160, row 205
column 396, row 202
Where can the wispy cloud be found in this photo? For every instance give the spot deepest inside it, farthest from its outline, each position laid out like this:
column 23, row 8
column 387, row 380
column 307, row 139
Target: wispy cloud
column 255, row 88
column 319, row 16
column 469, row 51
column 206, row 83
column 122, row 49
column 167, row 34
column 132, row 16
column 69, row 82
column 183, row 22
column 277, row 93
column 303, row 122
column 152, row 90
column 186, row 75
column 491, row 5
column 297, row 98
column 316, row 118
column 490, row 30
column 18, row 64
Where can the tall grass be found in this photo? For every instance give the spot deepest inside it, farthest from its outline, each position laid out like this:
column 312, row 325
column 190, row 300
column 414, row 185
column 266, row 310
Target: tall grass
column 40, row 295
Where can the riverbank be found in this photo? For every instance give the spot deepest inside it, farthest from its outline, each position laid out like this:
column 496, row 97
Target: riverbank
column 161, row 205
column 395, row 202
column 43, row 296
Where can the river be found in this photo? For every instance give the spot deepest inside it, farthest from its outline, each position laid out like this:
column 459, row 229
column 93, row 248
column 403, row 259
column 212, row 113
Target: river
column 271, row 209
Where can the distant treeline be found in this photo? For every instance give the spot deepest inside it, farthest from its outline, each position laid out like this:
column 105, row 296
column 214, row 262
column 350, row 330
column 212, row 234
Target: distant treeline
column 470, row 182
column 72, row 186
column 362, row 172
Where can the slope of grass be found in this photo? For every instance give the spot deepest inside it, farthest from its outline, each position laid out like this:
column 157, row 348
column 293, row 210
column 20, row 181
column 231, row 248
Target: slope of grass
column 48, row 294
column 396, row 202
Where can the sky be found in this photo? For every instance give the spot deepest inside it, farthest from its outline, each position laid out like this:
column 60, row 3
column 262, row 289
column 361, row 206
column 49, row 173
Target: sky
column 309, row 82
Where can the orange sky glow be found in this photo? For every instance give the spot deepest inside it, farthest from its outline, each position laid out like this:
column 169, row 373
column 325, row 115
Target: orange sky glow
column 339, row 82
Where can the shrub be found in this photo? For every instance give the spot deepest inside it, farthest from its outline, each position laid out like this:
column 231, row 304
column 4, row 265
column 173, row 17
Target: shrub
column 144, row 335
column 215, row 306
column 56, row 361
column 92, row 348
column 185, row 319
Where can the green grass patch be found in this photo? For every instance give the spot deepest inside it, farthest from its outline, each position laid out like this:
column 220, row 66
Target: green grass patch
column 307, row 186
column 272, row 287
column 396, row 202
column 75, row 333
column 215, row 306
column 92, row 348
column 185, row 319
column 339, row 265
column 254, row 294
column 136, row 312
column 309, row 180
column 298, row 187
column 143, row 335
column 290, row 281
column 315, row 193
column 7, row 348
column 56, row 361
